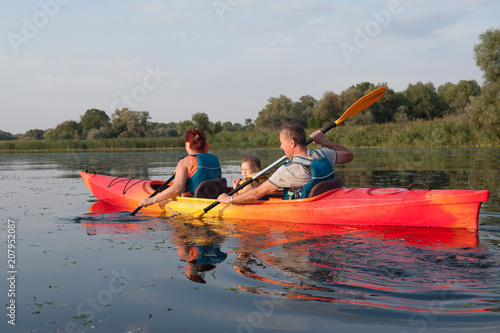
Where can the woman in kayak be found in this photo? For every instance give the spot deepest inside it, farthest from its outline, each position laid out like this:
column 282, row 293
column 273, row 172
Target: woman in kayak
column 191, row 170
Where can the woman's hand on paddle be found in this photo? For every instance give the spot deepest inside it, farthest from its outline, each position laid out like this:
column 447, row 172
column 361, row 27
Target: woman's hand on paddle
column 147, row 202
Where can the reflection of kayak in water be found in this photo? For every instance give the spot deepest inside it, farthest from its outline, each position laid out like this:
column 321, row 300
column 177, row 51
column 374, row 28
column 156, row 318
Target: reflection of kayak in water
column 398, row 268
column 197, row 244
column 447, row 237
column 421, row 270
column 341, row 206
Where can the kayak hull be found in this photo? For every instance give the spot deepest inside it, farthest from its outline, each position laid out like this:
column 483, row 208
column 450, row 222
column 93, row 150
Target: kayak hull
column 343, row 206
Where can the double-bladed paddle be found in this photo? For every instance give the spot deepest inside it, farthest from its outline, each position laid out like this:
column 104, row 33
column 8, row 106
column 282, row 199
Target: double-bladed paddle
column 360, row 104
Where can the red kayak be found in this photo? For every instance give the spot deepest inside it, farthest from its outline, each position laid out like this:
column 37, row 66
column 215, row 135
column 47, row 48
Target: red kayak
column 338, row 206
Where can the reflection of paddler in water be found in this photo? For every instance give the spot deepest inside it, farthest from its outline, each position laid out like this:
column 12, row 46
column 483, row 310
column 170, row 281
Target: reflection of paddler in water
column 200, row 259
column 199, row 247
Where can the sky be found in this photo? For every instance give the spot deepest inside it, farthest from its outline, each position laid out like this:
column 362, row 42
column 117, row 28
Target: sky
column 225, row 58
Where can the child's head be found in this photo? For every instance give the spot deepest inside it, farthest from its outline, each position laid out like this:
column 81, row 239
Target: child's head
column 250, row 164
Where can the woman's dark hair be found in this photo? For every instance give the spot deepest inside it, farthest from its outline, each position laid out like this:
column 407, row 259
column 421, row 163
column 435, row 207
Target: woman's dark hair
column 196, row 138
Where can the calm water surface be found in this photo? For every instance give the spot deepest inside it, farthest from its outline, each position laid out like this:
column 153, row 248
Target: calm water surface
column 78, row 272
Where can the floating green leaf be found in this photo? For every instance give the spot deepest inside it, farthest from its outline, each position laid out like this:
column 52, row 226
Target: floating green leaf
column 80, row 316
column 86, row 322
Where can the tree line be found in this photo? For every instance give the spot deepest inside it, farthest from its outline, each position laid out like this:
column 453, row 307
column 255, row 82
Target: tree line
column 465, row 100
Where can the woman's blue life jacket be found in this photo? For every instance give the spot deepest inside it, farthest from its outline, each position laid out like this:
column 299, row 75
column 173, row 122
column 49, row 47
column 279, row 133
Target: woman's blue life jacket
column 321, row 170
column 208, row 168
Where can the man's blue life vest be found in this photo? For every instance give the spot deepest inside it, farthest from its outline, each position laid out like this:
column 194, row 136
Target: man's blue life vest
column 208, row 168
column 321, row 170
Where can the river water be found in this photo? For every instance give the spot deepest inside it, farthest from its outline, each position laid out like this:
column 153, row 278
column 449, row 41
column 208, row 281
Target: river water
column 69, row 270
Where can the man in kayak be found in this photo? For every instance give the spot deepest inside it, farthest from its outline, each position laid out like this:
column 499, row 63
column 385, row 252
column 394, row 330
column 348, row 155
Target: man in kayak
column 302, row 170
column 191, row 170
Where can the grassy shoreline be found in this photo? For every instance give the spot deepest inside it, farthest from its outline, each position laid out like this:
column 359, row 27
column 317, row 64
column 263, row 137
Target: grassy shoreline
column 417, row 134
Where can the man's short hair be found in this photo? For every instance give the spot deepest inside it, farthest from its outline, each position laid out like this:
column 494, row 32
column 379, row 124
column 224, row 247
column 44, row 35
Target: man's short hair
column 295, row 132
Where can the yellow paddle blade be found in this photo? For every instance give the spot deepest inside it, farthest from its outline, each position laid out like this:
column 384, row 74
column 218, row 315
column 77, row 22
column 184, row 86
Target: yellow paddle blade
column 362, row 104
column 199, row 214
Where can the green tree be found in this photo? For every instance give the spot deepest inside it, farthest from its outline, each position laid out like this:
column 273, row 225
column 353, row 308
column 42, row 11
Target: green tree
column 299, row 114
column 484, row 110
column 328, row 108
column 275, row 114
column 303, row 110
column 130, row 124
column 424, row 102
column 401, row 115
column 237, row 127
column 227, row 126
column 184, row 126
column 216, row 127
column 458, row 95
column 249, row 125
column 487, row 55
column 385, row 109
column 66, row 130
column 313, row 122
column 364, row 87
column 94, row 119
column 162, row 129
column 201, row 121
column 99, row 133
column 34, row 134
column 6, row 136
column 308, row 101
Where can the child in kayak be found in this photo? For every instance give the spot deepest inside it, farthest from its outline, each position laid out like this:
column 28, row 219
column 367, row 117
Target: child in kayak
column 250, row 165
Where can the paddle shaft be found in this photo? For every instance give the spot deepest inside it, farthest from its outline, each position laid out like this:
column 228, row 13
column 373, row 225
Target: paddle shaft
column 278, row 162
column 161, row 188
column 360, row 104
